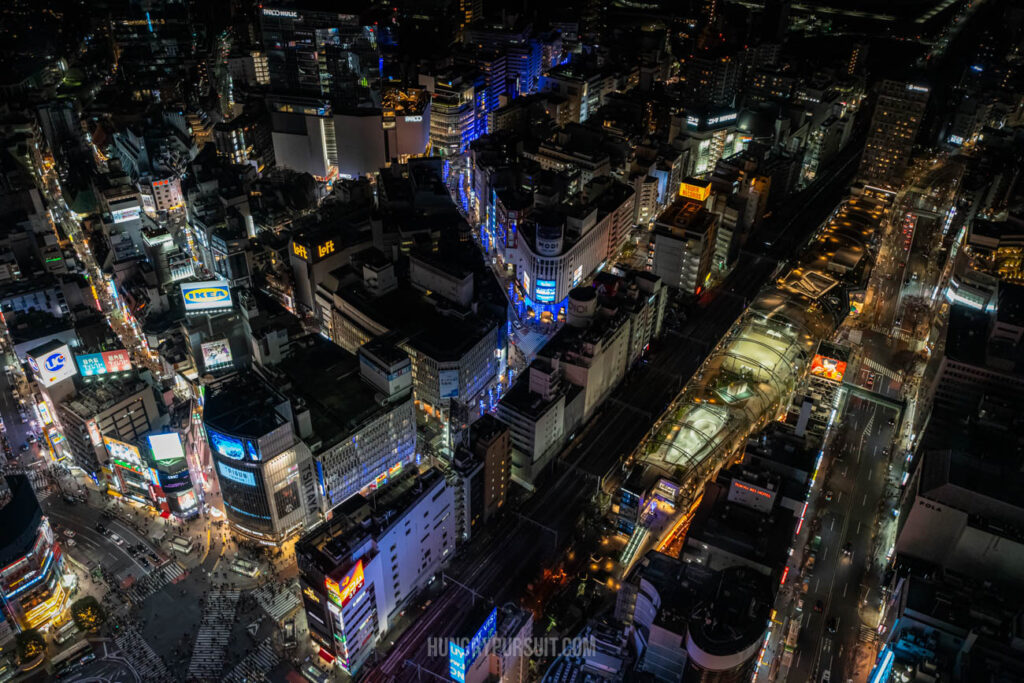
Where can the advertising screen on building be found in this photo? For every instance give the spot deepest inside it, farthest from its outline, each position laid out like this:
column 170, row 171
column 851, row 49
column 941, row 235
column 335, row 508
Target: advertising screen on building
column 546, row 289
column 456, row 663
column 186, row 500
column 697, row 190
column 286, row 499
column 449, row 383
column 461, row 658
column 177, row 481
column 205, row 296
column 236, row 475
column 342, row 592
column 216, row 354
column 225, row 445
column 54, row 366
column 94, row 433
column 119, row 450
column 828, row 368
column 124, row 215
column 92, row 364
column 166, row 447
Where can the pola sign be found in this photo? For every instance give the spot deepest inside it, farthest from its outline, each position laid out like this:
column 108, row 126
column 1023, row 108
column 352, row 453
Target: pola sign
column 54, row 366
column 203, row 296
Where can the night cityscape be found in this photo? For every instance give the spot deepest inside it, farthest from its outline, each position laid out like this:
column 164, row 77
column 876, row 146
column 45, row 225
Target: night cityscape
column 512, row 341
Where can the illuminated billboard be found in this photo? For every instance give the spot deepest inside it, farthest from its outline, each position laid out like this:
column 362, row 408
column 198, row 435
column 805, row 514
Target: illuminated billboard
column 216, row 354
column 546, row 290
column 342, row 593
column 225, row 445
column 236, row 475
column 54, row 366
column 166, row 446
column 828, row 368
column 92, row 364
column 697, row 190
column 124, row 215
column 460, row 659
column 456, row 663
column 119, row 450
column 449, row 383
column 204, row 296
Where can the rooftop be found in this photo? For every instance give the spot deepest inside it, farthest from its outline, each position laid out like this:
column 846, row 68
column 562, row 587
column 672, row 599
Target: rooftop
column 684, row 216
column 19, row 519
column 433, row 326
column 95, row 397
column 244, row 406
column 330, row 545
column 328, row 380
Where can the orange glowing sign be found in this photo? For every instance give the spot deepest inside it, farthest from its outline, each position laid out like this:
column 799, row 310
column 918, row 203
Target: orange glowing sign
column 751, row 489
column 828, row 368
column 342, row 593
column 695, row 190
column 300, row 250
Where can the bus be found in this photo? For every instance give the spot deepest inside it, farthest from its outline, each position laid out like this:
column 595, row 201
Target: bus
column 65, row 632
column 792, row 635
column 245, row 568
column 75, row 657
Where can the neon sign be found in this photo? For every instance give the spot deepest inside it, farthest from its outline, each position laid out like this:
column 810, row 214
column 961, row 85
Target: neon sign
column 342, row 593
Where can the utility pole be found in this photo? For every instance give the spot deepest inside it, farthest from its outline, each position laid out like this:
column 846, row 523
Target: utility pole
column 445, row 577
column 548, row 529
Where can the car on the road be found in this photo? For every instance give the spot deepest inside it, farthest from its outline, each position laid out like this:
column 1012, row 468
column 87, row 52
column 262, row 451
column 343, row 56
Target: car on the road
column 848, row 549
column 70, row 533
column 71, row 542
column 800, row 604
column 870, row 381
column 818, row 605
column 100, row 528
column 828, row 495
column 892, row 422
column 144, row 562
column 116, row 539
column 833, row 624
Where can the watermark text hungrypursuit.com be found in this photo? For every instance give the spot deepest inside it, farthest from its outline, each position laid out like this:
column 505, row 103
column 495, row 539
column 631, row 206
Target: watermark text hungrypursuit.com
column 518, row 647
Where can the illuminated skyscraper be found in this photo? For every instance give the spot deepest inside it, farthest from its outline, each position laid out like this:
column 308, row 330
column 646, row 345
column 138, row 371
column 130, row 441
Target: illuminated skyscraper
column 894, row 127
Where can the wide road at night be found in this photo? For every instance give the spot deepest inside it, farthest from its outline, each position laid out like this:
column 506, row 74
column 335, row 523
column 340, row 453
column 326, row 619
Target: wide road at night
column 855, row 479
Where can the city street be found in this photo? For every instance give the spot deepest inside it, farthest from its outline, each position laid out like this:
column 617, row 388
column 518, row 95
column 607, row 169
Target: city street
column 854, row 477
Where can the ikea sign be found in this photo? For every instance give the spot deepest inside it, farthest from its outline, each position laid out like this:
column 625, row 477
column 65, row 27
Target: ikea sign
column 203, row 296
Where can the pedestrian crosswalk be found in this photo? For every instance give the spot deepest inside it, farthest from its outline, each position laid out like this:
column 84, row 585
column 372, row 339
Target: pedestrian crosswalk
column 278, row 600
column 867, row 635
column 879, row 369
column 256, row 666
column 146, row 663
column 214, row 633
column 154, row 581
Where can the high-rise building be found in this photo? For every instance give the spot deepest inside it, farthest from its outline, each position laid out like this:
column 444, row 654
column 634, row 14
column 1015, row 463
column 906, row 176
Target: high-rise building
column 315, row 53
column 33, row 587
column 894, row 126
column 121, row 408
column 683, row 244
column 453, row 113
column 359, row 569
column 470, row 11
column 489, row 439
column 258, row 458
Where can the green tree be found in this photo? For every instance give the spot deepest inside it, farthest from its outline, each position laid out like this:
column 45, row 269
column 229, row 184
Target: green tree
column 88, row 613
column 29, row 644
